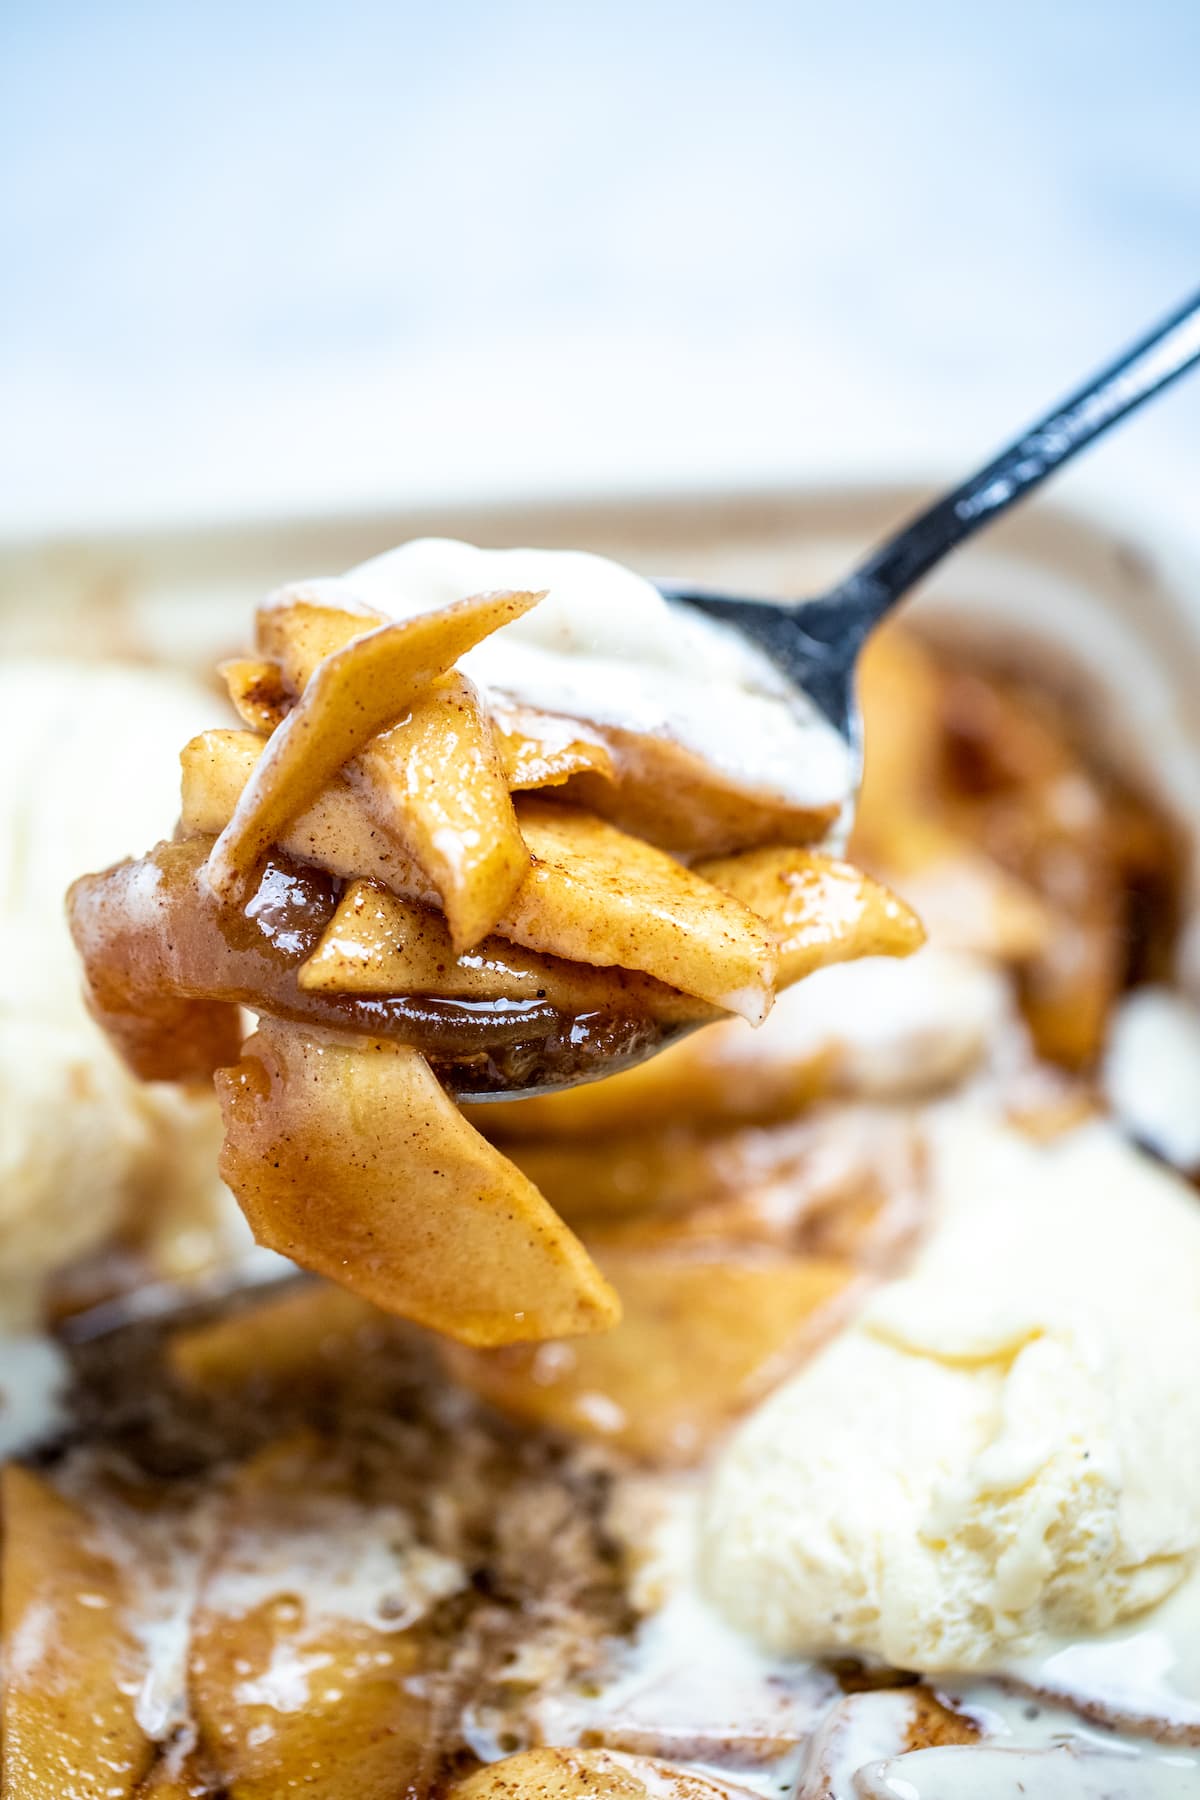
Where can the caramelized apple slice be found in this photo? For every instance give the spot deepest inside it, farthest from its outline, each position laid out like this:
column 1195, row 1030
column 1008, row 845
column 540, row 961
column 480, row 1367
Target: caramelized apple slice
column 258, row 691
column 435, row 783
column 542, row 750
column 593, row 895
column 304, row 1338
column 901, row 691
column 352, row 1160
column 822, row 911
column 377, row 943
column 586, row 1774
column 846, row 1183
column 167, row 965
column 703, row 1335
column 335, row 833
column 72, row 1667
column 299, row 626
column 297, row 1682
column 597, row 896
column 674, row 798
column 353, row 694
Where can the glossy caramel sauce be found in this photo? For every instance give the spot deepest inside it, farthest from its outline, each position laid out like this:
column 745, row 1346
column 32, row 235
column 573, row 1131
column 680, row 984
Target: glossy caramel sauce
column 168, row 964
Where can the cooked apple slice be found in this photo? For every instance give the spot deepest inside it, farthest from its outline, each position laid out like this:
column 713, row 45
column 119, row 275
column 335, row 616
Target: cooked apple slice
column 702, row 1336
column 258, row 691
column 592, row 895
column 167, row 966
column 540, row 749
column 377, row 943
column 351, row 1160
column 763, row 1184
column 667, row 794
column 967, row 901
column 658, row 1173
column 598, row 896
column 586, row 1774
column 297, row 1682
column 335, row 833
column 537, row 749
column 822, row 911
column 353, row 694
column 435, row 782
column 305, row 1339
column 72, row 1667
column 299, row 626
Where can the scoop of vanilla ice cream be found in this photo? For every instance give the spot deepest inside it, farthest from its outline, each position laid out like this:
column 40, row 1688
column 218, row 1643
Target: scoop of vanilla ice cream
column 91, row 756
column 1005, row 1448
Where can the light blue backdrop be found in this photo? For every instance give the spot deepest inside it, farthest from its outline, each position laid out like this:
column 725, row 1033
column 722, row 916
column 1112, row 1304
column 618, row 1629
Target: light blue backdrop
column 275, row 256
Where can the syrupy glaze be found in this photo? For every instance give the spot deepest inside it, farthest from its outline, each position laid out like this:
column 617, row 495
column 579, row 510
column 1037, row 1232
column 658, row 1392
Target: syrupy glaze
column 168, row 965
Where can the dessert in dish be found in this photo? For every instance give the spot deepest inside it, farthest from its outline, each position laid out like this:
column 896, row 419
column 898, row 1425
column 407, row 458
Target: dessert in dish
column 884, row 1484
column 374, row 868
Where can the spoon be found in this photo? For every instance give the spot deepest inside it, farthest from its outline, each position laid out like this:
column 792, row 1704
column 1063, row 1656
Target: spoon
column 816, row 643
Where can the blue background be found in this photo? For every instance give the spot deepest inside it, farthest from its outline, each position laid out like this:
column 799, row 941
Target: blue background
column 262, row 257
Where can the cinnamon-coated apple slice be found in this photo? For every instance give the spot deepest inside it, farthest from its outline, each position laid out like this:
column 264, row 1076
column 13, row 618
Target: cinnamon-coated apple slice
column 306, row 1338
column 704, row 1333
column 292, row 1692
column 821, row 910
column 596, row 895
column 258, row 692
column 377, row 943
column 660, row 790
column 435, row 782
column 352, row 1160
column 298, row 626
column 351, row 695
column 175, row 1777
column 335, row 832
column 711, row 1080
column 541, row 749
column 592, row 894
column 72, row 1667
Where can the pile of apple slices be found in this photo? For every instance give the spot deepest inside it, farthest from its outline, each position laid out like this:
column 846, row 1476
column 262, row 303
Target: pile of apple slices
column 373, row 868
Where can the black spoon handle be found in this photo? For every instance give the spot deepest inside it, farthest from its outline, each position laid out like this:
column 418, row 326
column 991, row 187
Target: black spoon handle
column 891, row 570
column 816, row 643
